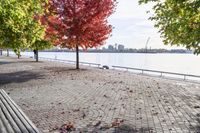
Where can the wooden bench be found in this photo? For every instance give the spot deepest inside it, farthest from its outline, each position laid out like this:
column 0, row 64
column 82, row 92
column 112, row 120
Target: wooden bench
column 12, row 119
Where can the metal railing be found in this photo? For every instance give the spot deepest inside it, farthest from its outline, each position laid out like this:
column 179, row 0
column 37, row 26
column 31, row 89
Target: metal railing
column 160, row 72
column 70, row 61
column 61, row 60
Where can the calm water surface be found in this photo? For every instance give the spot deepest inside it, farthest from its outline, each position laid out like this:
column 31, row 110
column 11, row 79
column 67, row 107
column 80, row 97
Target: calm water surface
column 181, row 63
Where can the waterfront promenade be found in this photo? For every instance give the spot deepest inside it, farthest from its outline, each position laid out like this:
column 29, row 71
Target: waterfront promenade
column 96, row 100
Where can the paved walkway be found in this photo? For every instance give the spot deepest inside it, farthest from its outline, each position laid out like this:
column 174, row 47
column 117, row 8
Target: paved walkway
column 94, row 100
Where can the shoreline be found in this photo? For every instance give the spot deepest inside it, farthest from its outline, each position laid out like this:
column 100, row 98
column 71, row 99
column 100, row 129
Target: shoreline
column 191, row 78
column 114, row 52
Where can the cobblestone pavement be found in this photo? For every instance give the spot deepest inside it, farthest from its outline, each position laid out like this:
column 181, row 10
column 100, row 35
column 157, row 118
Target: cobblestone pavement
column 95, row 100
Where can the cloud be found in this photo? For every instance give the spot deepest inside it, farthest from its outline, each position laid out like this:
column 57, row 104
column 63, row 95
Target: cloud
column 130, row 9
column 132, row 27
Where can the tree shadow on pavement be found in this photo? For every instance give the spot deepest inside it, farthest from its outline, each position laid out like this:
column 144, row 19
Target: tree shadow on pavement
column 64, row 69
column 124, row 128
column 5, row 62
column 131, row 129
column 18, row 77
column 197, row 127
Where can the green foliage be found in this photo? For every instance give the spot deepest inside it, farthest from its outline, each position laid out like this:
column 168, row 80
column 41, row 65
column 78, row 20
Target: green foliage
column 178, row 22
column 41, row 44
column 19, row 26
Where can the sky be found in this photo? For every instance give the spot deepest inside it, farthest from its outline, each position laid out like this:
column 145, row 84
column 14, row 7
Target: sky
column 132, row 27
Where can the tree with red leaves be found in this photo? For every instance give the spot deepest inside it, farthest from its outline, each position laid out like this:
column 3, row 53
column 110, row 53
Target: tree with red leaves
column 78, row 23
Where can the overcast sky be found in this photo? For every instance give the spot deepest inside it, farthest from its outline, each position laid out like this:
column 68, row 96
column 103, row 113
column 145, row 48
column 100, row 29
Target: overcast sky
column 132, row 27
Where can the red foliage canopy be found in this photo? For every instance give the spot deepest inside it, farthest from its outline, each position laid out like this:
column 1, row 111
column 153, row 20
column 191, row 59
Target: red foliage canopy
column 83, row 23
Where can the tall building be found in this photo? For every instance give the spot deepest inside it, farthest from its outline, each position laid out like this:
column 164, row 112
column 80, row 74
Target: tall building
column 103, row 48
column 120, row 47
column 110, row 47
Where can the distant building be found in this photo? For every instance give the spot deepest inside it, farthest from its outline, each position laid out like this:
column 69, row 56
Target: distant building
column 121, row 47
column 116, row 46
column 103, row 48
column 110, row 47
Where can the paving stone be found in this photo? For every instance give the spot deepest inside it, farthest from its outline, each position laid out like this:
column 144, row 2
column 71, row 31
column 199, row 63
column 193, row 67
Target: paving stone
column 100, row 100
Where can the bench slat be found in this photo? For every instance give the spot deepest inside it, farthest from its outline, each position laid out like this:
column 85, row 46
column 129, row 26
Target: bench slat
column 9, row 118
column 14, row 116
column 5, row 120
column 23, row 122
column 2, row 127
column 29, row 125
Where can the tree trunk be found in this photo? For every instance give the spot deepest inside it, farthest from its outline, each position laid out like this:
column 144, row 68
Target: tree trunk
column 7, row 52
column 37, row 58
column 77, row 57
column 18, row 54
column 35, row 51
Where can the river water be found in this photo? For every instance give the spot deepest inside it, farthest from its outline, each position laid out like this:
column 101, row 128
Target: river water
column 179, row 63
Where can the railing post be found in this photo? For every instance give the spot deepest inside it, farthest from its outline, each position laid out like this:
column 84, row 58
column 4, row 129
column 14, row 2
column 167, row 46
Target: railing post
column 142, row 71
column 184, row 77
column 161, row 74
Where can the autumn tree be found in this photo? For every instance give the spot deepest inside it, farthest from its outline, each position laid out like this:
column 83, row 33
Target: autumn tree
column 78, row 23
column 19, row 27
column 178, row 22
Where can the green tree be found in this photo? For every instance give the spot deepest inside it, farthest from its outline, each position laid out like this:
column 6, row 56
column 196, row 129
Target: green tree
column 178, row 22
column 19, row 27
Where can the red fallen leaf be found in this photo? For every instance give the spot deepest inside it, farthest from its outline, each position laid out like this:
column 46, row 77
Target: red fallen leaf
column 105, row 127
column 156, row 113
column 105, row 96
column 98, row 124
column 62, row 112
column 84, row 115
column 76, row 110
column 196, row 106
column 117, row 123
column 54, row 128
column 67, row 127
column 121, row 121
